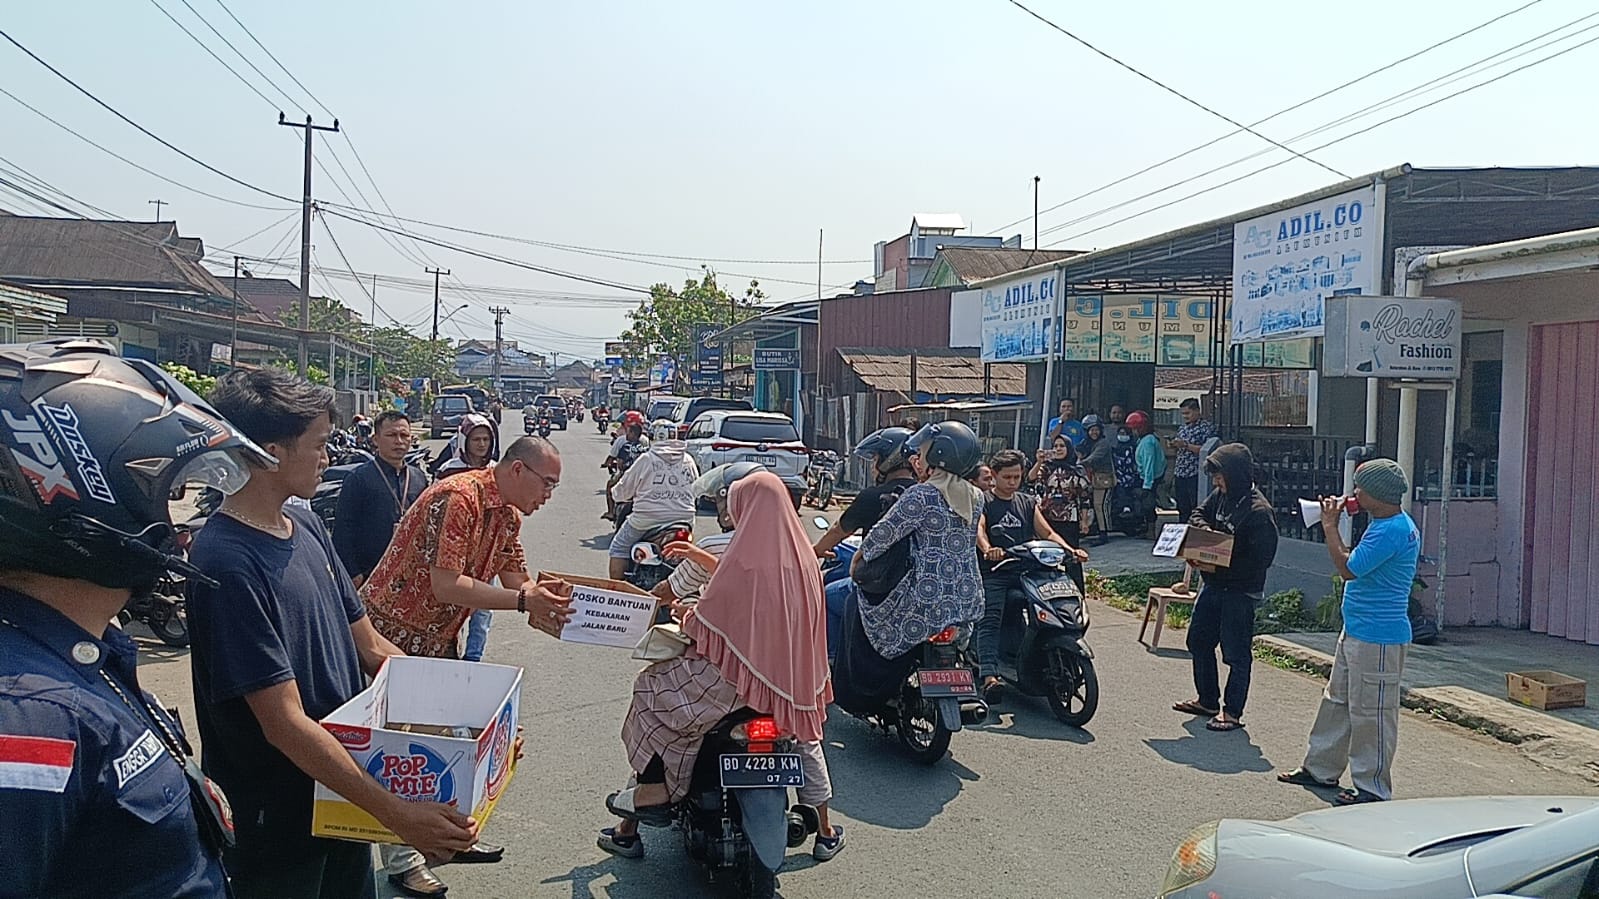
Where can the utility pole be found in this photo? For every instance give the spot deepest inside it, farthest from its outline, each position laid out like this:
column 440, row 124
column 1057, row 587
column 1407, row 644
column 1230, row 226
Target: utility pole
column 500, row 312
column 158, row 204
column 372, row 341
column 436, row 272
column 305, row 237
column 1036, row 179
column 233, row 346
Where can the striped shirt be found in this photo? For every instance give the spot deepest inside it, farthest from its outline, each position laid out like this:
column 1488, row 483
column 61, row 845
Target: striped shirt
column 689, row 578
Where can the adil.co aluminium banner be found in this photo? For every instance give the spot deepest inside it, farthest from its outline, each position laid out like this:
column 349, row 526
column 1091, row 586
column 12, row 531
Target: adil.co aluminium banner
column 1286, row 264
column 1019, row 318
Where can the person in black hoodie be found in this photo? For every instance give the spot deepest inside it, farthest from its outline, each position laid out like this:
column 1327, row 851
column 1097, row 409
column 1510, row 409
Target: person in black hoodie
column 1224, row 613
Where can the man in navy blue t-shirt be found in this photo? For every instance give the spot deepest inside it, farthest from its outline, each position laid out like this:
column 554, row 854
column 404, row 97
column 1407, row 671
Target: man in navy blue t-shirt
column 282, row 641
column 1358, row 722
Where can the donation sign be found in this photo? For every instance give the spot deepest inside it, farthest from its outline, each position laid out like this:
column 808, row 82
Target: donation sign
column 603, row 617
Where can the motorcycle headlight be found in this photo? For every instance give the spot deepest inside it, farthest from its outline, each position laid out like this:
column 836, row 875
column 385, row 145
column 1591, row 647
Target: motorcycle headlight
column 1050, row 555
column 1193, row 861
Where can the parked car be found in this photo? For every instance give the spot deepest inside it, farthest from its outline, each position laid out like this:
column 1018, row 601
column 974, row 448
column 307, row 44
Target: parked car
column 446, row 416
column 661, row 406
column 687, row 411
column 1540, row 847
column 557, row 406
column 722, row 436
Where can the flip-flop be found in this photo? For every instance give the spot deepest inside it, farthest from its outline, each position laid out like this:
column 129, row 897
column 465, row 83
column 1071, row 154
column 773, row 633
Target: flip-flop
column 1299, row 777
column 1189, row 707
column 1355, row 797
column 1221, row 724
column 621, row 805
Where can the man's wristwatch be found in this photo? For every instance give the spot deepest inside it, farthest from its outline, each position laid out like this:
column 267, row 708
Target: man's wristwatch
column 521, row 601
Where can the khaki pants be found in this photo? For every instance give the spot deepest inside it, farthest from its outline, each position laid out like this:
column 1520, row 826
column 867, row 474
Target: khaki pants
column 399, row 859
column 1357, row 725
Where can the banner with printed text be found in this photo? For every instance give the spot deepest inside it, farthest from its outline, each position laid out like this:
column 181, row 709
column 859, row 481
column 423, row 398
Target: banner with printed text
column 1286, row 264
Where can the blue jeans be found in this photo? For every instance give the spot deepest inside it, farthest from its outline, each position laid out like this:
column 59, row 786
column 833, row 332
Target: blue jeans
column 837, row 596
column 477, row 635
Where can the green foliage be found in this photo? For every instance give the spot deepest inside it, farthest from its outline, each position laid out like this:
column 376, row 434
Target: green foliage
column 1128, row 592
column 664, row 323
column 1284, row 612
column 1178, row 616
column 188, row 377
column 1330, row 609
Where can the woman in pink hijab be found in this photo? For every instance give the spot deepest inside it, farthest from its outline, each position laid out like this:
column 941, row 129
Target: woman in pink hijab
column 760, row 641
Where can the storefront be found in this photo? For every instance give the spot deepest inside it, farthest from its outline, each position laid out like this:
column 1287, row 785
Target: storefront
column 24, row 311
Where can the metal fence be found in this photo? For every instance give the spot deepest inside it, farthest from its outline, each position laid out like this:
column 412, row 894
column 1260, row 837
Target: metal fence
column 1291, row 467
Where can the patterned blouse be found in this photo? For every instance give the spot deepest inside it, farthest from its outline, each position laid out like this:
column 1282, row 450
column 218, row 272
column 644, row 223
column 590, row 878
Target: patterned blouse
column 460, row 524
column 942, row 587
column 1065, row 491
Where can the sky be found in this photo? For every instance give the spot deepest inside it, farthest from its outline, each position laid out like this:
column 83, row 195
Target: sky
column 736, row 131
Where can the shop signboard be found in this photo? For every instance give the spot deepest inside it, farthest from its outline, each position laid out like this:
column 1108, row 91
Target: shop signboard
column 767, row 359
column 615, row 348
column 707, row 370
column 1018, row 318
column 1392, row 337
column 1286, row 265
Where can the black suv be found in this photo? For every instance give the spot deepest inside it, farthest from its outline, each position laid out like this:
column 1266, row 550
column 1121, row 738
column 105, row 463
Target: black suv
column 557, row 408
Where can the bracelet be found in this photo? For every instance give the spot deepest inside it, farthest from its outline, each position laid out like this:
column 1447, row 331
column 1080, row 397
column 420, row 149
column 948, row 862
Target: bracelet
column 521, row 602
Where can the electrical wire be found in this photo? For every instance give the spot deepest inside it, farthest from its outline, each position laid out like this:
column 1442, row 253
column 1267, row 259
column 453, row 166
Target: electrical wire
column 236, row 52
column 274, row 59
column 1175, row 92
column 1281, row 112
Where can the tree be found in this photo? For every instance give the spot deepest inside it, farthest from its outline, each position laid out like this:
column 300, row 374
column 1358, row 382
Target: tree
column 664, row 323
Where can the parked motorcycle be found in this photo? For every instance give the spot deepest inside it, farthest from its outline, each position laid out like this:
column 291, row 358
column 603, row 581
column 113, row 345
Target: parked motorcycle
column 821, row 475
column 1052, row 658
column 164, row 611
column 737, row 820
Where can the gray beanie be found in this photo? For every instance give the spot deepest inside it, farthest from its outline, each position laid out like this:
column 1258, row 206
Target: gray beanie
column 1384, row 480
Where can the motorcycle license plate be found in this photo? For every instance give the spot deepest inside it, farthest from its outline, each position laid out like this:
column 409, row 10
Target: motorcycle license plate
column 766, row 769
column 946, row 682
column 767, row 459
column 1058, row 590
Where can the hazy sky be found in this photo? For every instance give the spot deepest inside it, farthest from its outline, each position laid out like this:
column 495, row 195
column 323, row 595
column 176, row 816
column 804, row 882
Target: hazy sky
column 736, row 130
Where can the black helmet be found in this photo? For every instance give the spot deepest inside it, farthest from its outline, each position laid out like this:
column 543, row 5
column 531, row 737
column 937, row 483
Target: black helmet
column 885, row 449
column 949, row 445
column 97, row 445
column 715, row 484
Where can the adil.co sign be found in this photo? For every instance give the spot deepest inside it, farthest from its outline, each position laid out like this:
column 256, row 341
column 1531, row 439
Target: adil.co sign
column 1392, row 337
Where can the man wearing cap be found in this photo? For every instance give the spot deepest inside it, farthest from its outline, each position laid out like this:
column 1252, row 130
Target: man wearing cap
column 1358, row 723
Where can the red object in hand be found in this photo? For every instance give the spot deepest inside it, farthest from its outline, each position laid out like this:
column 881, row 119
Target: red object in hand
column 1351, row 506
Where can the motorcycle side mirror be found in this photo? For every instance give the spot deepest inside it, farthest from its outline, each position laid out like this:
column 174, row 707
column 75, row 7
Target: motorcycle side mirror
column 646, row 554
column 821, row 523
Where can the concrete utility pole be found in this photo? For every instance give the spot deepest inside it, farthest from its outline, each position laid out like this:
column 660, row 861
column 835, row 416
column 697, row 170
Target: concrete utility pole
column 500, row 312
column 372, row 341
column 1036, row 179
column 233, row 345
column 158, row 204
column 436, row 272
column 305, row 236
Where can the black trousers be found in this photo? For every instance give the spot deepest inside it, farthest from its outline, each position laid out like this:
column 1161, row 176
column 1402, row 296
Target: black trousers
column 326, row 869
column 1186, row 492
column 1222, row 618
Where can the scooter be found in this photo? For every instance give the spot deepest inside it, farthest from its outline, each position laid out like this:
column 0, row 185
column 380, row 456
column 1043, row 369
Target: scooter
column 544, row 426
column 935, row 699
column 164, row 610
column 822, row 475
column 1052, row 658
column 837, row 568
column 602, row 422
column 647, row 563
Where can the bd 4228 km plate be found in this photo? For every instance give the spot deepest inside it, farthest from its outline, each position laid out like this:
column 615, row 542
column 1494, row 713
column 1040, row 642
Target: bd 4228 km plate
column 761, row 769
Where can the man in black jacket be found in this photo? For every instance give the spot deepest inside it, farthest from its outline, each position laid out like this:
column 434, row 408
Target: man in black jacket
column 1224, row 613
column 374, row 496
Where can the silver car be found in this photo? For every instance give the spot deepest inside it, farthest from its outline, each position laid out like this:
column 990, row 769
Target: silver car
column 1538, row 847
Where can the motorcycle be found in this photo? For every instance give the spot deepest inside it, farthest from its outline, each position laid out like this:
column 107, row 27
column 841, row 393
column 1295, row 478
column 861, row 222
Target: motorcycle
column 544, row 426
column 647, row 564
column 1052, row 658
column 822, row 474
column 602, row 422
column 737, row 820
column 837, row 568
column 935, row 699
column 164, row 610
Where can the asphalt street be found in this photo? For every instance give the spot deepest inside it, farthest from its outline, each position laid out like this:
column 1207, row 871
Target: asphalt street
column 1024, row 806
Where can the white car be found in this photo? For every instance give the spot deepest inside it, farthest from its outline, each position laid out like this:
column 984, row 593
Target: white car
column 722, row 436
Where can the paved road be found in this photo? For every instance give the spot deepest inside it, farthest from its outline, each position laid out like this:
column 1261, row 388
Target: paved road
column 1023, row 807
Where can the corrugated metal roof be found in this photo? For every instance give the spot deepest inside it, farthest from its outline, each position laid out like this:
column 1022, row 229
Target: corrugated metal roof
column 22, row 300
column 939, row 371
column 102, row 252
column 977, row 263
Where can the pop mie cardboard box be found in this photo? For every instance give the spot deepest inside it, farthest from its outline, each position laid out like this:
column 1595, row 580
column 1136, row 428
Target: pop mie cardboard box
column 471, row 772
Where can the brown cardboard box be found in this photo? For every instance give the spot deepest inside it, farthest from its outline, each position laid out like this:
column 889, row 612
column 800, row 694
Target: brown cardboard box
column 1546, row 689
column 1207, row 547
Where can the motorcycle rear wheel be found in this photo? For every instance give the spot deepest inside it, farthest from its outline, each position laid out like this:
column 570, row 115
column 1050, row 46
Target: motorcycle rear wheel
column 169, row 626
column 920, row 729
column 1073, row 686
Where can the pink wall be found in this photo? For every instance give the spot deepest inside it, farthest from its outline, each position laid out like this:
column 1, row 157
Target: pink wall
column 1471, row 585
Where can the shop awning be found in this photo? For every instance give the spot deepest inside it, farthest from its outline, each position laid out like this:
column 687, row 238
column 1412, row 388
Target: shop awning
column 774, row 322
column 27, row 304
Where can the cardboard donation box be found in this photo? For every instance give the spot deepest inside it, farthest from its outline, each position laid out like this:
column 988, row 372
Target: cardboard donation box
column 606, row 612
column 1546, row 689
column 434, row 730
column 1199, row 546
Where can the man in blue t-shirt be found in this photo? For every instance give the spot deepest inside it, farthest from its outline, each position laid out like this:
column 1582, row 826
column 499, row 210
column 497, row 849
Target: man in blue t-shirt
column 1358, row 723
column 1065, row 423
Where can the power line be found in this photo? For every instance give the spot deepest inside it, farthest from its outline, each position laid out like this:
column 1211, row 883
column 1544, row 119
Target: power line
column 192, row 37
column 1281, row 112
column 247, row 61
column 1337, row 140
column 1175, row 92
column 272, row 57
column 143, row 130
column 362, row 284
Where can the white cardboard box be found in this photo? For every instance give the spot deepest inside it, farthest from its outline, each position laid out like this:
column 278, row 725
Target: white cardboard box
column 606, row 612
column 472, row 773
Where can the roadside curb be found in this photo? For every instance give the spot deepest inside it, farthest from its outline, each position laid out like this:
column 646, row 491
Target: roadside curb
column 1548, row 741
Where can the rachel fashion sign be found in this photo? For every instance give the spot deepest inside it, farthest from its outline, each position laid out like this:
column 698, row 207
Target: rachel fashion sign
column 1286, row 265
column 1392, row 337
column 1018, row 318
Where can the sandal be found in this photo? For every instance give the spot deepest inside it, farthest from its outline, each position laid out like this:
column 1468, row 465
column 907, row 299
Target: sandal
column 1219, row 723
column 1299, row 777
column 616, row 844
column 994, row 691
column 1355, row 797
column 1190, row 707
column 621, row 805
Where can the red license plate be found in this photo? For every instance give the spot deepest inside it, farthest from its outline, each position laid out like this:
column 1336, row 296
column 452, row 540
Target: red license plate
column 947, row 682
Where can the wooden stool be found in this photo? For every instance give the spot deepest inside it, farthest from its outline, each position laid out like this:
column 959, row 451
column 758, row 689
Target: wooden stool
column 1159, row 599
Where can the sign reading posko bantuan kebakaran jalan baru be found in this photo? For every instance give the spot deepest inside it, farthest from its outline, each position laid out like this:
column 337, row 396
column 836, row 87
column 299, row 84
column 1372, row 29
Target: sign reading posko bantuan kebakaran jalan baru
column 1285, row 265
column 1392, row 337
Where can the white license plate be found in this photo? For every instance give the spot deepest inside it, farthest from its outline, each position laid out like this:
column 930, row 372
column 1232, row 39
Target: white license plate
column 770, row 461
column 1058, row 590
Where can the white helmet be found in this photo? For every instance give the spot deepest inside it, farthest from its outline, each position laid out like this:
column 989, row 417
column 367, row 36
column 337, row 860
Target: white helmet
column 662, row 430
